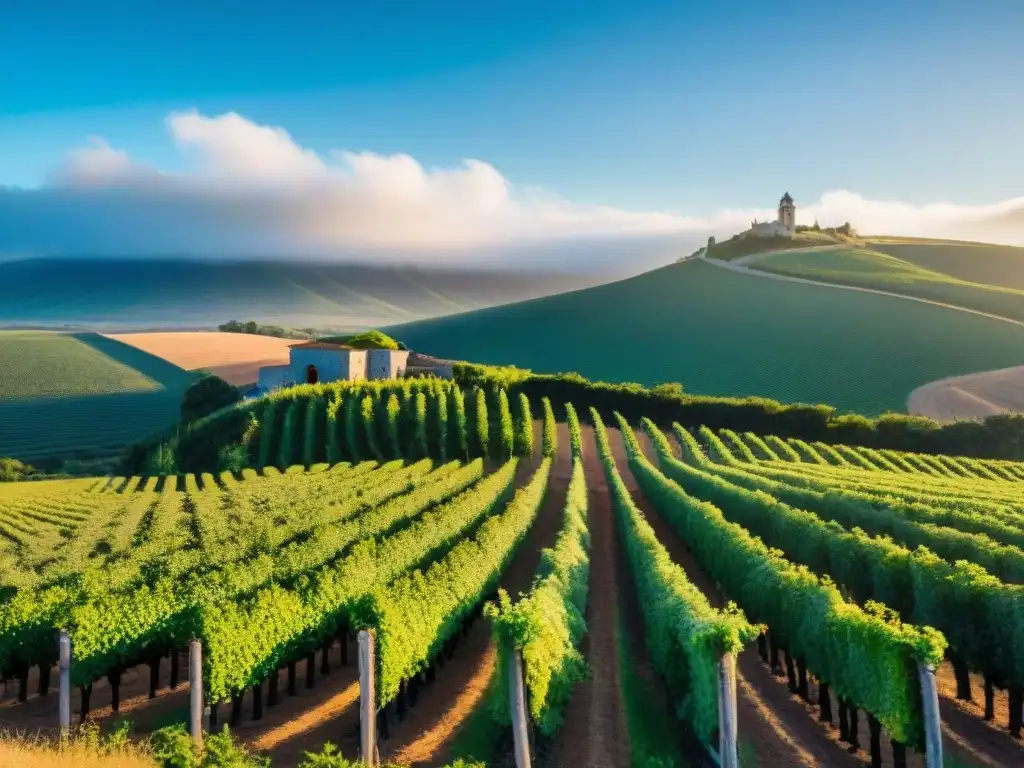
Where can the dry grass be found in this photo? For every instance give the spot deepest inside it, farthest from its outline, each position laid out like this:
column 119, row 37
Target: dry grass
column 19, row 752
column 235, row 357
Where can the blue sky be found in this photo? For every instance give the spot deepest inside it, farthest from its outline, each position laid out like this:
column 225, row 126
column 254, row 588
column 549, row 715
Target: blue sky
column 672, row 105
column 677, row 107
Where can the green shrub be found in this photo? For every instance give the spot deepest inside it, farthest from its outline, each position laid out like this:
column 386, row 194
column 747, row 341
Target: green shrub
column 506, row 437
column 550, row 446
column 267, row 419
column 418, row 449
column 209, row 394
column 524, row 428
column 547, row 624
column 309, row 430
column 575, row 438
column 459, row 432
column 332, row 428
column 441, row 416
column 12, row 469
column 353, row 419
column 1000, row 436
column 393, row 410
column 173, row 748
column 369, row 431
column 286, row 448
column 481, row 426
column 364, row 340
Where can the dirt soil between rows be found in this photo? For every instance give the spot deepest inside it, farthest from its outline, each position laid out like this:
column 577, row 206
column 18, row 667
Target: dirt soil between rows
column 595, row 732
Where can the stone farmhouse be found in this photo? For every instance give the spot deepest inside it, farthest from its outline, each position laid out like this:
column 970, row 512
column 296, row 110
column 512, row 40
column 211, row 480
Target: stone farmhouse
column 317, row 361
column 783, row 226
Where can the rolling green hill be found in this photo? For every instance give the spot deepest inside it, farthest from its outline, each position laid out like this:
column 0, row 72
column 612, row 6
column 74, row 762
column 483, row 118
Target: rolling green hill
column 81, row 395
column 727, row 333
column 869, row 268
column 998, row 265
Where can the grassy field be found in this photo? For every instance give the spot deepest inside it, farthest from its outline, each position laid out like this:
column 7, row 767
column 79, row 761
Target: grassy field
column 81, row 395
column 869, row 268
column 38, row 364
column 721, row 332
column 998, row 265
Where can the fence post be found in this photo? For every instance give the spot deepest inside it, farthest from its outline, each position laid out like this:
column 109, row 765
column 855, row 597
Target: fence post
column 195, row 691
column 727, row 729
column 520, row 730
column 932, row 723
column 64, row 694
column 367, row 698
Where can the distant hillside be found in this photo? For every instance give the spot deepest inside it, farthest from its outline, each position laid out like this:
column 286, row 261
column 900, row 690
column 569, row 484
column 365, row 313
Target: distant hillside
column 998, row 265
column 81, row 395
column 870, row 268
column 113, row 294
column 720, row 332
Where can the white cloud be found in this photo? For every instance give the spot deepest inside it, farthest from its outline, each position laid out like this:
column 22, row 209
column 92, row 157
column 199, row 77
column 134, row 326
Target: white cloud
column 230, row 148
column 1001, row 222
column 252, row 190
column 97, row 163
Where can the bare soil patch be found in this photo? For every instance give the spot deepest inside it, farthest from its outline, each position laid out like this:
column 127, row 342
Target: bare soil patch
column 973, row 396
column 595, row 732
column 235, row 357
column 989, row 742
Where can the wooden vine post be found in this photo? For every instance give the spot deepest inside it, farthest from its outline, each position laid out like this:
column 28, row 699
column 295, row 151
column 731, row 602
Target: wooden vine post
column 367, row 698
column 517, row 707
column 195, row 692
column 728, row 752
column 932, row 723
column 64, row 693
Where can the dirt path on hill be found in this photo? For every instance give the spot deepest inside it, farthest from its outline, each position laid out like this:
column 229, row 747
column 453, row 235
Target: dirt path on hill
column 445, row 706
column 595, row 731
column 735, row 267
column 970, row 396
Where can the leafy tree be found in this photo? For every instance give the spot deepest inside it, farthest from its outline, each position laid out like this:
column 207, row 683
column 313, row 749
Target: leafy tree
column 209, row 394
column 12, row 470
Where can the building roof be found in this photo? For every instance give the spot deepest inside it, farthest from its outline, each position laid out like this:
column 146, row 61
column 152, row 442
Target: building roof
column 786, row 199
column 319, row 345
